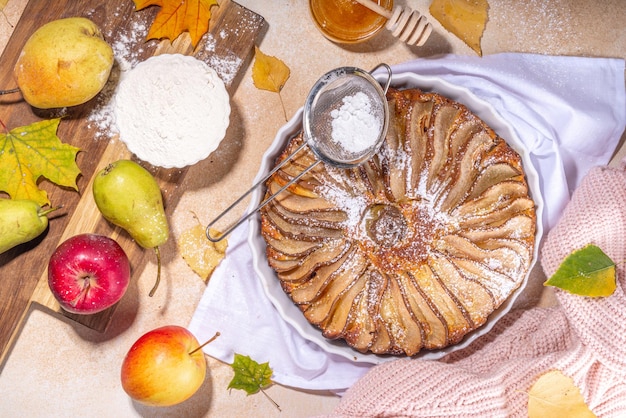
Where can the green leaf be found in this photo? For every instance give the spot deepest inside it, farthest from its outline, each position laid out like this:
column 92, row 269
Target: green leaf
column 33, row 151
column 250, row 375
column 585, row 272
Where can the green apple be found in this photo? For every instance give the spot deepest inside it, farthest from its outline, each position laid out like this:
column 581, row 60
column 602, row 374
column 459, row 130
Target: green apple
column 65, row 62
column 164, row 367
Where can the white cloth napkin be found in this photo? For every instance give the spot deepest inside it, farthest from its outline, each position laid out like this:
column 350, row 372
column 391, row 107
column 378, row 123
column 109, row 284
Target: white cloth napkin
column 570, row 112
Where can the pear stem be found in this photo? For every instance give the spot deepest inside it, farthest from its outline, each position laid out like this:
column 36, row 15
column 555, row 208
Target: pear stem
column 158, row 278
column 49, row 210
column 210, row 340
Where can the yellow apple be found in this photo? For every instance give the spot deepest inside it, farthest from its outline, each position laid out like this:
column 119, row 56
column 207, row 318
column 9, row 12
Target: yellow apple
column 162, row 368
column 65, row 62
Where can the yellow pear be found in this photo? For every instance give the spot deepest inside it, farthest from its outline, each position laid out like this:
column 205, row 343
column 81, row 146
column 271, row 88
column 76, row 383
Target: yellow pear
column 64, row 63
column 20, row 222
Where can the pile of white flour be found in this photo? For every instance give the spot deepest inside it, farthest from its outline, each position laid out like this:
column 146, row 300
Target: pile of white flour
column 171, row 110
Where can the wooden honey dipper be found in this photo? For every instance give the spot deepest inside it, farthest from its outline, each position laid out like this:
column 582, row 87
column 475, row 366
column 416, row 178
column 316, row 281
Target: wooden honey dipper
column 405, row 24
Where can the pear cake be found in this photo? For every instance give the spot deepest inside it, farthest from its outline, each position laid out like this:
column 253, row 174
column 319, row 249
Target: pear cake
column 413, row 249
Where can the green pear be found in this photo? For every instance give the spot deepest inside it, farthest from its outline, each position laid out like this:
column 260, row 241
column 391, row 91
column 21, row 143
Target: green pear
column 128, row 196
column 20, row 222
column 65, row 62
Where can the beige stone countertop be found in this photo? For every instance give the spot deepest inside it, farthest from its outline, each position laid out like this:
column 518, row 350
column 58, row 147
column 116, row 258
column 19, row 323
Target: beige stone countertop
column 59, row 369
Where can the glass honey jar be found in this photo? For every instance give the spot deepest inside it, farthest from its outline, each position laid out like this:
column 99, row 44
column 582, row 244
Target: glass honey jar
column 346, row 21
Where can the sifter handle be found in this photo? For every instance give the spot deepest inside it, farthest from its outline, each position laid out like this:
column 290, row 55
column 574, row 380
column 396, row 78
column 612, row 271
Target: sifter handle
column 262, row 204
column 389, row 73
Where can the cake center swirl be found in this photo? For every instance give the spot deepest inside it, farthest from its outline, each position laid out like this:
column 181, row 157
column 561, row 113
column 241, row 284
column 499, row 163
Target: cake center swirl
column 385, row 225
column 397, row 234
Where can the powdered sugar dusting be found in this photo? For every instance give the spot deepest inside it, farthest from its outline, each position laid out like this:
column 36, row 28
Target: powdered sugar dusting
column 545, row 24
column 352, row 203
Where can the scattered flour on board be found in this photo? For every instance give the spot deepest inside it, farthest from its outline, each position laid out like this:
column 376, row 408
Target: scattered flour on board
column 225, row 63
column 122, row 42
column 128, row 48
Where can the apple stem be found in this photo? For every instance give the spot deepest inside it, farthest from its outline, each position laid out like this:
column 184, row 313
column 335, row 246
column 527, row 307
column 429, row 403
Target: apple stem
column 83, row 291
column 210, row 340
column 158, row 278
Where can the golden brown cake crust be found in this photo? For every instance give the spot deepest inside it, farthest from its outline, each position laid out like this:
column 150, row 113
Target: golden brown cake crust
column 413, row 249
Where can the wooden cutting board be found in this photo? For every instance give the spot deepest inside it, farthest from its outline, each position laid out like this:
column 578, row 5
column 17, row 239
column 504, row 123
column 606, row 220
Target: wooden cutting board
column 233, row 32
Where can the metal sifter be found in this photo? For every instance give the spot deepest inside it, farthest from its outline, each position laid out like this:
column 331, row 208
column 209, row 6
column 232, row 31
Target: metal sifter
column 327, row 95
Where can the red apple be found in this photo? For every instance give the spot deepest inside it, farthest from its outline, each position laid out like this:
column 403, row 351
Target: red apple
column 88, row 273
column 164, row 367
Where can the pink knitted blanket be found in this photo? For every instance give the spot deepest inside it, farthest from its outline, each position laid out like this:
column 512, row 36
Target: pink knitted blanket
column 582, row 337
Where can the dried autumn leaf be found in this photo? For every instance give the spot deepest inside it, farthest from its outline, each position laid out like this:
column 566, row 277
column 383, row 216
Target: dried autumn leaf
column 178, row 16
column 33, row 151
column 201, row 255
column 464, row 18
column 269, row 73
column 556, row 395
column 585, row 272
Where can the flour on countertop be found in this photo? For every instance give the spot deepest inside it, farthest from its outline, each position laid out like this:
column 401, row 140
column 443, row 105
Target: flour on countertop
column 171, row 110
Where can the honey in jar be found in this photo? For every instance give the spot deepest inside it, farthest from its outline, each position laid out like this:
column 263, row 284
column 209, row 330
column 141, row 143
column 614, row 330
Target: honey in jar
column 346, row 21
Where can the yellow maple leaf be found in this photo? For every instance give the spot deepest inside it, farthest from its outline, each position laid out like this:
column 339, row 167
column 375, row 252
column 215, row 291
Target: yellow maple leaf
column 33, row 151
column 555, row 395
column 464, row 18
column 202, row 255
column 178, row 16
